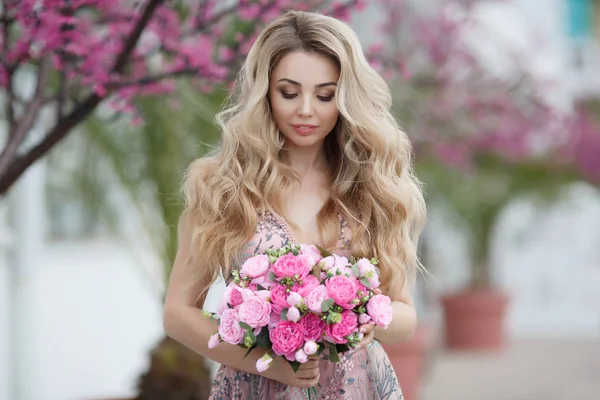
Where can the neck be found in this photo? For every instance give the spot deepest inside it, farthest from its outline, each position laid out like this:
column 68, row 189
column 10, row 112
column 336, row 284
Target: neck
column 304, row 160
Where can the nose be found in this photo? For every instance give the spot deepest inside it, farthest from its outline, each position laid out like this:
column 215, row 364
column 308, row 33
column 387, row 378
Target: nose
column 306, row 107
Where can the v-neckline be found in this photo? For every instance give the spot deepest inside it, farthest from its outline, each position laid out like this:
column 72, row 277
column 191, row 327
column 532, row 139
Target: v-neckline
column 288, row 230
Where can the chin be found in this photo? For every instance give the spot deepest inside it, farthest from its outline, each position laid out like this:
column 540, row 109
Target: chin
column 305, row 141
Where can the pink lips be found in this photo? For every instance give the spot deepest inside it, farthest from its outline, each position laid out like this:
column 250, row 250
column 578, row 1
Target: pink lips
column 304, row 129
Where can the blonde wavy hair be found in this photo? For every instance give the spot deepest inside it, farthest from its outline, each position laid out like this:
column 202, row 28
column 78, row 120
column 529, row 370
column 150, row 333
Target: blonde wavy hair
column 373, row 185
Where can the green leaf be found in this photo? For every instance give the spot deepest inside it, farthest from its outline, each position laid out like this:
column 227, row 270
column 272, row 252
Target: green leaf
column 342, row 348
column 295, row 365
column 245, row 326
column 365, row 282
column 333, row 353
column 260, row 287
column 355, row 270
column 272, row 276
column 249, row 351
column 324, row 251
column 284, row 314
column 326, row 305
column 263, row 340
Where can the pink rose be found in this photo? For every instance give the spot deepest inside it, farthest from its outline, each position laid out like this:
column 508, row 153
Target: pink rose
column 213, row 341
column 315, row 298
column 293, row 314
column 290, row 265
column 274, row 319
column 301, row 356
column 380, row 310
column 255, row 266
column 369, row 271
column 232, row 296
column 229, row 327
column 264, row 363
column 262, row 281
column 311, row 347
column 235, row 297
column 255, row 312
column 279, row 297
column 294, row 299
column 312, row 251
column 342, row 290
column 364, row 266
column 313, row 327
column 345, row 327
column 287, row 337
column 333, row 261
column 343, row 270
column 364, row 319
column 308, row 284
column 362, row 289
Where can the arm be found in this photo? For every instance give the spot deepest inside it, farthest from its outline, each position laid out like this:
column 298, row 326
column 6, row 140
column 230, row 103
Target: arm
column 183, row 320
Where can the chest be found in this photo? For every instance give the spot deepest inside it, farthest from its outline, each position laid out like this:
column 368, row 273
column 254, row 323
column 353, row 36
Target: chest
column 303, row 205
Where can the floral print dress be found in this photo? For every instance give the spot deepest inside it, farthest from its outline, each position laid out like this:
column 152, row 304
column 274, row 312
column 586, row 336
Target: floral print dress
column 363, row 374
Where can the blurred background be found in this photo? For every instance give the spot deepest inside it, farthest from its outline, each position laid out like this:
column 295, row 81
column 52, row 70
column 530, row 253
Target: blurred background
column 105, row 103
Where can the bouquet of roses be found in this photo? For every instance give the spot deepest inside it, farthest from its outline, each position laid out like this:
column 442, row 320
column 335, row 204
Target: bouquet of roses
column 300, row 300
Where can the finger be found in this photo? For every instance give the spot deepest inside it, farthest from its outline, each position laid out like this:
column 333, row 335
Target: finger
column 307, row 373
column 307, row 383
column 366, row 328
column 309, row 365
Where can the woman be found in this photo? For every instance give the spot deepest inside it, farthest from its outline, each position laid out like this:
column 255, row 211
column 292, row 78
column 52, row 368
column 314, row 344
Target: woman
column 310, row 154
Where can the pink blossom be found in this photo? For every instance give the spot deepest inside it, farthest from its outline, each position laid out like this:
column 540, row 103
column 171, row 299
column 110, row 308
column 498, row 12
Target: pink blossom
column 345, row 327
column 279, row 297
column 380, row 310
column 342, row 290
column 315, row 298
column 231, row 296
column 312, row 326
column 264, row 363
column 333, row 261
column 364, row 319
column 213, row 341
column 294, row 299
column 312, row 251
column 311, row 347
column 301, row 356
column 229, row 327
column 293, row 314
column 255, row 312
column 364, row 266
column 255, row 266
column 290, row 265
column 308, row 284
column 287, row 337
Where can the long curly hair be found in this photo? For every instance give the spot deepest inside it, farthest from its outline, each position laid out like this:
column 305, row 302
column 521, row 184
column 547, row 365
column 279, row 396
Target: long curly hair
column 373, row 185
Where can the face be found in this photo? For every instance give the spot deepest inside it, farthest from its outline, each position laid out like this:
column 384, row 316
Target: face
column 302, row 93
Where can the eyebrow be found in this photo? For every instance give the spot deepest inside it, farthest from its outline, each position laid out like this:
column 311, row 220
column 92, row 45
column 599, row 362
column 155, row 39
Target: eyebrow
column 320, row 85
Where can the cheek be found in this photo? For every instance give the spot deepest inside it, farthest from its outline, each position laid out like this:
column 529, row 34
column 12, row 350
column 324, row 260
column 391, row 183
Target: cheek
column 330, row 114
column 281, row 109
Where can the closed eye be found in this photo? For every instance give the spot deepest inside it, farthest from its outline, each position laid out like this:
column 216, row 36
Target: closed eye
column 288, row 95
column 325, row 98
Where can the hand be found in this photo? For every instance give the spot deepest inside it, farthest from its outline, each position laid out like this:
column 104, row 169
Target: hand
column 369, row 334
column 306, row 377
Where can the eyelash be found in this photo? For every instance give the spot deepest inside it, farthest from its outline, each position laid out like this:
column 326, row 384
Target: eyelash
column 293, row 95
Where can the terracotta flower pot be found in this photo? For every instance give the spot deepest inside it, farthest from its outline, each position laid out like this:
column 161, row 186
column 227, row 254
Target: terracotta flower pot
column 408, row 359
column 474, row 320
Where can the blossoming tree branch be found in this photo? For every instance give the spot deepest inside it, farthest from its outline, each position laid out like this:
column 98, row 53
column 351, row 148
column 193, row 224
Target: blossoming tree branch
column 81, row 53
